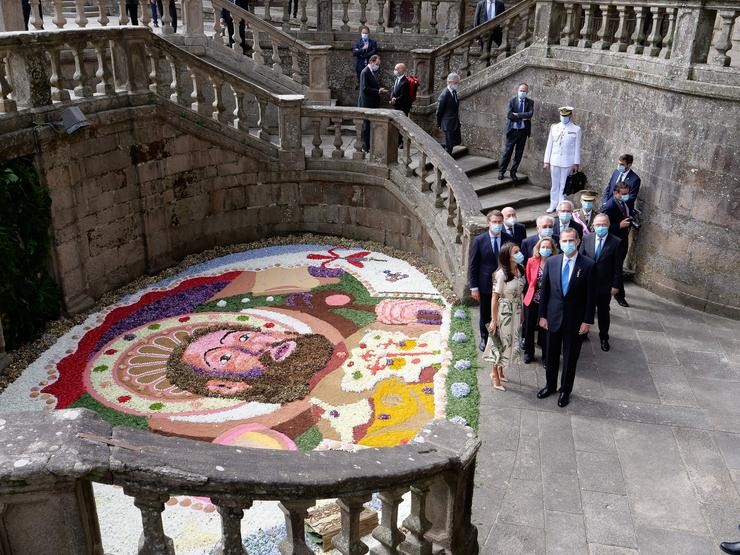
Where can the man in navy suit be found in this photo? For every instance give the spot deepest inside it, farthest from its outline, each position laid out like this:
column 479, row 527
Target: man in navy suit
column 370, row 91
column 518, row 128
column 364, row 49
column 400, row 93
column 623, row 173
column 565, row 219
column 483, row 262
column 603, row 248
column 545, row 225
column 448, row 113
column 514, row 232
column 567, row 304
column 487, row 10
column 618, row 210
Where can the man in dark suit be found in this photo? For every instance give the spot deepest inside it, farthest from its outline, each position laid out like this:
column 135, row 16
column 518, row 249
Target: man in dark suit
column 514, row 232
column 545, row 225
column 400, row 94
column 620, row 217
column 370, row 91
column 173, row 14
column 567, row 304
column 565, row 219
column 487, row 10
column 228, row 20
column 448, row 113
column 132, row 10
column 483, row 262
column 624, row 173
column 364, row 49
column 603, row 248
column 518, row 128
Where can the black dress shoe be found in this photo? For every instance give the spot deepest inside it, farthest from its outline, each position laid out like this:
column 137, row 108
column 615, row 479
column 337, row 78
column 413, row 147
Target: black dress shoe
column 500, row 177
column 514, row 176
column 544, row 392
column 605, row 345
column 564, row 399
column 733, row 548
column 623, row 302
column 482, row 345
column 528, row 358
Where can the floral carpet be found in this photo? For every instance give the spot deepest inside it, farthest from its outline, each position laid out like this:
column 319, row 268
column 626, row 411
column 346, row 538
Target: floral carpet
column 286, row 347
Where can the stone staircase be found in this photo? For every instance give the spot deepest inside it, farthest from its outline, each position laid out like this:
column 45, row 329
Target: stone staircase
column 69, row 9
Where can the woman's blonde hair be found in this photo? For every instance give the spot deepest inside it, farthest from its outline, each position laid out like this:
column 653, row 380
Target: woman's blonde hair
column 536, row 251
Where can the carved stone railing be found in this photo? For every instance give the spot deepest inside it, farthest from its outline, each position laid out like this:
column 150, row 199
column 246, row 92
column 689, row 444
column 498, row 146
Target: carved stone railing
column 269, row 44
column 50, row 460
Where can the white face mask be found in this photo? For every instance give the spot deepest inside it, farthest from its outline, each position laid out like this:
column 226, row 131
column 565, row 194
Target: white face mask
column 510, row 221
column 364, row 36
column 395, row 72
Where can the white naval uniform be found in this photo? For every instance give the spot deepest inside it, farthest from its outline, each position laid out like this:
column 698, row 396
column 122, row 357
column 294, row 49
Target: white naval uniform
column 562, row 153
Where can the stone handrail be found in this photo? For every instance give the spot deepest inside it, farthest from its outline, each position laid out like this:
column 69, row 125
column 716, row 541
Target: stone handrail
column 51, row 460
column 442, row 182
column 262, row 32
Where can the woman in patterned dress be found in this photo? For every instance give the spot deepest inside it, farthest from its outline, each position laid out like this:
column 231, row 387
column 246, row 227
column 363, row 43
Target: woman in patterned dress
column 506, row 309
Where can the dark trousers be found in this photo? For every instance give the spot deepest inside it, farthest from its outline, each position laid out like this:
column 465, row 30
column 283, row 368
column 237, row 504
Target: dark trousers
column 485, row 314
column 26, row 6
column 173, row 13
column 293, row 7
column 133, row 12
column 366, row 135
column 602, row 310
column 515, row 141
column 531, row 325
column 230, row 29
column 452, row 139
column 623, row 248
column 570, row 342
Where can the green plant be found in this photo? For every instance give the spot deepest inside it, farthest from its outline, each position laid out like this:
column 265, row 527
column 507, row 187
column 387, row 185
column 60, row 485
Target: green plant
column 29, row 297
column 467, row 407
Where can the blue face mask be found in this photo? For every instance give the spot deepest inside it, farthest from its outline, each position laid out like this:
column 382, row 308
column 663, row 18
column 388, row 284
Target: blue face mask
column 522, row 95
column 496, row 228
column 621, row 168
column 601, row 230
column 626, row 197
column 453, row 88
column 587, row 205
column 568, row 248
column 544, row 251
column 564, row 217
column 519, row 257
column 545, row 232
column 564, row 119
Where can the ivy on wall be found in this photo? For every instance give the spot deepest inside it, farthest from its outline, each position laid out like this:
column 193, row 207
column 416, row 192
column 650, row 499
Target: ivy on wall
column 29, row 297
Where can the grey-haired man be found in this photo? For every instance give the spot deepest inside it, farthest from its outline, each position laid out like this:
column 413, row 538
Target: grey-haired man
column 448, row 113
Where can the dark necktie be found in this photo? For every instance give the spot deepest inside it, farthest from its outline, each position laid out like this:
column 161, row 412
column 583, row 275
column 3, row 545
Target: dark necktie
column 454, row 95
column 599, row 245
column 495, row 248
column 622, row 208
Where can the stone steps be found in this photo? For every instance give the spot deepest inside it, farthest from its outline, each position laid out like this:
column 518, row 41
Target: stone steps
column 69, row 9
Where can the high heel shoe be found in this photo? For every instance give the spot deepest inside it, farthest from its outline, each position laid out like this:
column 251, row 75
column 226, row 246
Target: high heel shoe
column 504, row 378
column 495, row 386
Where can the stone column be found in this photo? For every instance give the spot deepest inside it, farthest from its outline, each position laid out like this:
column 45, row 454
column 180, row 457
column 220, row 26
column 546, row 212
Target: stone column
column 383, row 142
column 4, row 358
column 692, row 39
column 318, row 81
column 11, row 16
column 192, row 22
column 292, row 155
column 424, row 72
column 324, row 16
column 455, row 18
column 546, row 31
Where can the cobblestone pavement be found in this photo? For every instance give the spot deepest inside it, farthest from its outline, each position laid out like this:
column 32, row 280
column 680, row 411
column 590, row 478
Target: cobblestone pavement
column 645, row 459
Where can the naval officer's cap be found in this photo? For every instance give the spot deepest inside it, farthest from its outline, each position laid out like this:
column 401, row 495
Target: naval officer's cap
column 588, row 195
column 566, row 110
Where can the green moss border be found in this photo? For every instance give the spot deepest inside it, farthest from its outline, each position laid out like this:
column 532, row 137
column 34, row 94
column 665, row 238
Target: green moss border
column 466, row 407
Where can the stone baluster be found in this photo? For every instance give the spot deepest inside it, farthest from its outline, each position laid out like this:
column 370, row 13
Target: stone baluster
column 620, row 35
column 34, row 21
column 81, row 77
column 58, row 92
column 257, row 54
column 145, row 14
column 177, row 88
column 122, row 15
column 358, row 153
column 451, row 208
column 425, row 185
column 104, row 73
column 153, row 539
column 387, row 533
column 652, row 47
column 603, row 39
column 397, row 24
column 262, row 132
column 304, row 15
column 408, row 171
column 416, row 23
column 503, row 51
column 268, row 7
column 103, row 13
column 587, row 28
column 459, row 229
column 153, row 60
column 381, row 19
column 349, row 541
column 665, row 52
column 438, row 188
column 567, row 35
column 316, row 151
column 295, row 68
column 59, row 20
column 7, row 104
column 81, row 18
column 295, row 515
column 338, row 151
column 638, row 36
column 722, row 41
column 166, row 20
column 198, row 96
column 434, row 6
column 363, row 13
column 219, row 109
column 417, row 523
column 345, row 15
column 276, row 66
column 232, row 512
column 285, row 23
column 217, row 28
column 240, row 112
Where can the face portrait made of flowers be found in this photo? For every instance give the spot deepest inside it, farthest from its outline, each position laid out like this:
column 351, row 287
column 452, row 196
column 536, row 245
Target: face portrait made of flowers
column 248, row 363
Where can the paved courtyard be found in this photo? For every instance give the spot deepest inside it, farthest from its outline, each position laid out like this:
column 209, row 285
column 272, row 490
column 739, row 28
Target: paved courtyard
column 645, row 459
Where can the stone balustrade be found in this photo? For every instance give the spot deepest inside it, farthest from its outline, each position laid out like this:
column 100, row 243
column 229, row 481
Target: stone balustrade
column 50, row 460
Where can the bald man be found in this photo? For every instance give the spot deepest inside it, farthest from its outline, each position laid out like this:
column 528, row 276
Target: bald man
column 400, row 95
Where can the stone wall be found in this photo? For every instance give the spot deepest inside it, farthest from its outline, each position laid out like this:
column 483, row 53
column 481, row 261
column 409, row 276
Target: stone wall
column 686, row 150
